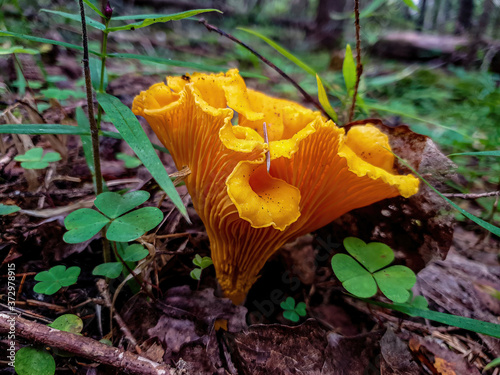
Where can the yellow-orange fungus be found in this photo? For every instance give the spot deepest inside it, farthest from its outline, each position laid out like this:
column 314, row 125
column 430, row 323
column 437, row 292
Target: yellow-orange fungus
column 317, row 172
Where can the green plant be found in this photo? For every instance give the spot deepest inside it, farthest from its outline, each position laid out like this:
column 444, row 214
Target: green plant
column 130, row 161
column 32, row 360
column 291, row 311
column 34, row 158
column 84, row 223
column 68, row 323
column 56, row 278
column 112, row 270
column 365, row 269
column 201, row 264
column 7, row 209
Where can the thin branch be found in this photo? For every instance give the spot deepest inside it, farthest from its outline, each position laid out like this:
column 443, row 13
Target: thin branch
column 474, row 196
column 94, row 131
column 125, row 361
column 359, row 66
column 306, row 96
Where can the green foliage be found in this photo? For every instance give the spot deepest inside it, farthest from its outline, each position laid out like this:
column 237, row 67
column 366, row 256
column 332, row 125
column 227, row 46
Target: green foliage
column 132, row 132
column 34, row 158
column 349, row 70
column 95, row 74
column 202, row 263
column 130, row 161
column 56, row 278
column 492, row 364
column 68, row 323
column 323, row 100
column 365, row 270
column 85, row 223
column 7, row 209
column 18, row 49
column 34, row 361
column 291, row 311
column 112, row 270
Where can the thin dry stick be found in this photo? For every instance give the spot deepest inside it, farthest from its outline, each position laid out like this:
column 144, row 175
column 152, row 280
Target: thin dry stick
column 94, row 132
column 306, row 96
column 473, row 196
column 359, row 66
column 125, row 361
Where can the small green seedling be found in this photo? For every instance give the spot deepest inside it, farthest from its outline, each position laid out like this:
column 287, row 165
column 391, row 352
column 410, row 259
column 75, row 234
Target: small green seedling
column 85, row 223
column 7, row 209
column 364, row 270
column 56, row 278
column 68, row 323
column 202, row 263
column 34, row 158
column 112, row 270
column 293, row 312
column 492, row 364
column 130, row 161
column 32, row 360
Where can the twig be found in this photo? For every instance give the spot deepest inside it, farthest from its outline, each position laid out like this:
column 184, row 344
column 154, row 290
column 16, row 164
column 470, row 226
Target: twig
column 306, row 96
column 124, row 361
column 359, row 66
column 94, row 131
column 473, row 196
column 103, row 290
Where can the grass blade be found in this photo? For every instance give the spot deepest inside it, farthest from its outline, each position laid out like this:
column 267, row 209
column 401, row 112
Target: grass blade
column 282, row 50
column 478, row 326
column 132, row 132
column 94, row 8
column 42, row 129
column 166, row 18
column 489, row 227
column 323, row 100
column 76, row 17
column 349, row 70
column 83, row 123
column 45, row 40
column 478, row 153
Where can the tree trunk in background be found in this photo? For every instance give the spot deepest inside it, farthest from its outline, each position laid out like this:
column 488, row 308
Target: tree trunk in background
column 479, row 31
column 435, row 14
column 464, row 21
column 421, row 17
column 328, row 32
column 496, row 22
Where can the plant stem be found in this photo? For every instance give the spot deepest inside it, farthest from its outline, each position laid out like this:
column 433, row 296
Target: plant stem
column 103, row 67
column 94, row 131
column 306, row 96
column 359, row 66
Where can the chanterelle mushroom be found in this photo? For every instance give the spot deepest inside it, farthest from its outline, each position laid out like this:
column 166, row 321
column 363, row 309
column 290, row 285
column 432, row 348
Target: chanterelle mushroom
column 317, row 173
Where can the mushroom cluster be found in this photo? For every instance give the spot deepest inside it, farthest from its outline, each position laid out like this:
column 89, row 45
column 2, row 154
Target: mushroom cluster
column 224, row 131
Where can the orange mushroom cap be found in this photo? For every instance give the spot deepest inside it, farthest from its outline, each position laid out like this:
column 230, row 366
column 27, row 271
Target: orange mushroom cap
column 317, row 172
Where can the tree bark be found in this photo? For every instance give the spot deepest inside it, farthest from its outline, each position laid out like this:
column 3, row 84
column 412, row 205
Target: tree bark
column 465, row 12
column 328, row 32
column 421, row 17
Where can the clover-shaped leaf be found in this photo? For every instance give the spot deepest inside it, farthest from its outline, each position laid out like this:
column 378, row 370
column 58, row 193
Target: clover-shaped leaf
column 202, row 262
column 292, row 312
column 68, row 323
column 134, row 253
column 56, row 278
column 34, row 158
column 134, row 224
column 394, row 282
column 110, row 270
column 83, row 224
column 113, row 204
column 33, row 360
column 130, row 161
column 195, row 274
column 7, row 209
column 372, row 256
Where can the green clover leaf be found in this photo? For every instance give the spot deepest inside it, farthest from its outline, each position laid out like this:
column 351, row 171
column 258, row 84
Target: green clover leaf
column 110, row 270
column 195, row 274
column 202, row 262
column 130, row 161
column 292, row 312
column 7, row 209
column 362, row 273
column 34, row 158
column 83, row 224
column 134, row 224
column 56, row 278
column 113, row 204
column 33, row 360
column 68, row 323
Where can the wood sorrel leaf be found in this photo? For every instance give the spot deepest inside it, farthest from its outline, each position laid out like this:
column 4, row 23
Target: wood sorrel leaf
column 372, row 256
